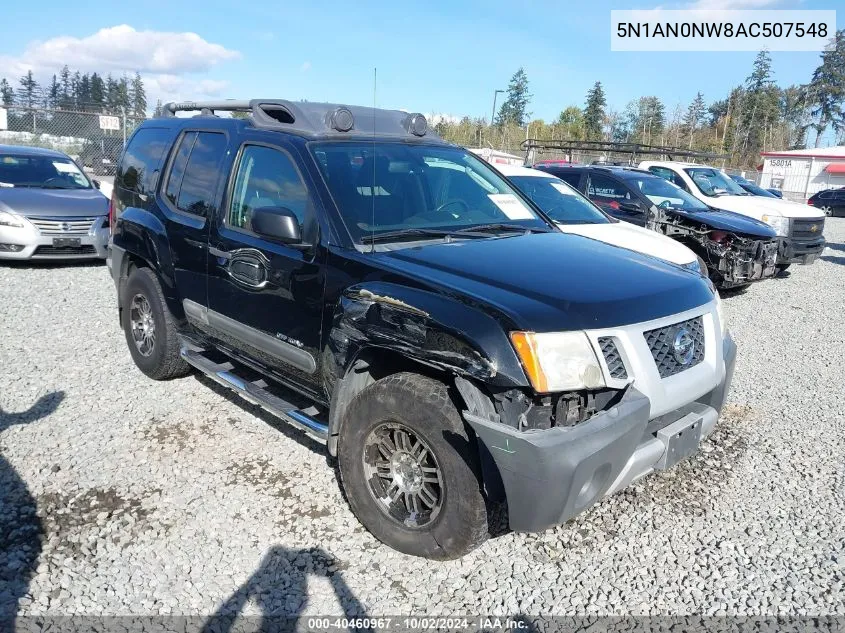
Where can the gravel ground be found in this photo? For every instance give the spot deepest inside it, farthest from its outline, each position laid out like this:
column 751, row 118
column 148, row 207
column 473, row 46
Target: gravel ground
column 120, row 495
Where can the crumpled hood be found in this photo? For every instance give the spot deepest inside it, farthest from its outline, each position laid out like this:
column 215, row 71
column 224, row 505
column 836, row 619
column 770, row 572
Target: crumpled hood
column 757, row 206
column 58, row 203
column 552, row 281
column 729, row 221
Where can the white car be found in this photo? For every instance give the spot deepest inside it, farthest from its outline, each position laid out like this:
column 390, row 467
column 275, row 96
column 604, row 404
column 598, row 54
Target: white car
column 573, row 213
column 799, row 227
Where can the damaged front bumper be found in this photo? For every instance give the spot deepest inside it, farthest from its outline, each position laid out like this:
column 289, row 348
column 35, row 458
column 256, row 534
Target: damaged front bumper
column 742, row 261
column 551, row 475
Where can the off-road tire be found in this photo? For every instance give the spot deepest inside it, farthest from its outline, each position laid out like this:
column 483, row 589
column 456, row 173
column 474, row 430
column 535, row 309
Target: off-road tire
column 424, row 406
column 164, row 361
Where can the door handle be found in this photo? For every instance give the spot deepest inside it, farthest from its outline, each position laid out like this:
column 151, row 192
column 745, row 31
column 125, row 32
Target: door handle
column 218, row 253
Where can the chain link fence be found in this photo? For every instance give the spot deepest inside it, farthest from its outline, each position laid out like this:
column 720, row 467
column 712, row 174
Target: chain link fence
column 95, row 140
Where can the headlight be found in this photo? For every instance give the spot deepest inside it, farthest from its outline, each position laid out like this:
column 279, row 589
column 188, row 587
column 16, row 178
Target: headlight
column 558, row 361
column 723, row 325
column 779, row 223
column 694, row 266
column 7, row 219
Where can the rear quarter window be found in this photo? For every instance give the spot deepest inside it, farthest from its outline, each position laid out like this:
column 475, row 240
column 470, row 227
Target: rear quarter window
column 139, row 168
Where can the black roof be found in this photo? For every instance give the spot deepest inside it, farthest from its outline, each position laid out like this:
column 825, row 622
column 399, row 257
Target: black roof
column 26, row 150
column 317, row 120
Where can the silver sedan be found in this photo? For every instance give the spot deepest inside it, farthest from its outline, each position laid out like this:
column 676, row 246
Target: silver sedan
column 49, row 209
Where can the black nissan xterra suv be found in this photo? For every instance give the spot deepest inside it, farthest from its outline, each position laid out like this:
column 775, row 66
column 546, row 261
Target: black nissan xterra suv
column 393, row 296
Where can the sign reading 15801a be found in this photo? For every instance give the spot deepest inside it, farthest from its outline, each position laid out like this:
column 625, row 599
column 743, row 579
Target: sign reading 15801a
column 781, row 162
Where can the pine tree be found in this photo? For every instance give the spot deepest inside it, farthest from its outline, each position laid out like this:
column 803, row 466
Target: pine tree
column 66, row 100
column 514, row 109
column 827, row 88
column 75, row 83
column 98, row 92
column 594, row 113
column 29, row 92
column 54, row 93
column 7, row 94
column 111, row 104
column 139, row 97
column 695, row 115
column 85, row 92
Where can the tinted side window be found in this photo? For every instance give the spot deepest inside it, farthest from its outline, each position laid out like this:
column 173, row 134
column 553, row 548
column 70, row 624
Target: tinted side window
column 138, row 169
column 605, row 189
column 569, row 178
column 177, row 169
column 266, row 178
column 197, row 193
column 839, row 194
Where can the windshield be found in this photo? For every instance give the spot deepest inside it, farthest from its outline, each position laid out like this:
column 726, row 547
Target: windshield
column 390, row 187
column 712, row 182
column 756, row 190
column 664, row 194
column 558, row 200
column 42, row 172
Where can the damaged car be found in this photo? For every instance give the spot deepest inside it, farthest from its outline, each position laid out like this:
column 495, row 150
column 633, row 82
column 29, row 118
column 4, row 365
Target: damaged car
column 736, row 250
column 394, row 297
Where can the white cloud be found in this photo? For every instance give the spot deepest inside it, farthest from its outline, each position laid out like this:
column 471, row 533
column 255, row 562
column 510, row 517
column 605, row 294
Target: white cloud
column 166, row 60
column 120, row 49
column 306, row 66
column 733, row 4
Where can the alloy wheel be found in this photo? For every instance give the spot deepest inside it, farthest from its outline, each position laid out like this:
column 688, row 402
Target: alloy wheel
column 143, row 325
column 403, row 475
column 826, row 210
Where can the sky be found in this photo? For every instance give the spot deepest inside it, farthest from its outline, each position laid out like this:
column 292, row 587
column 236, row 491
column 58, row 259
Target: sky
column 435, row 57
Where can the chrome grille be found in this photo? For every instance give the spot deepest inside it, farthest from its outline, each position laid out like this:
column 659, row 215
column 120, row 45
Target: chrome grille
column 806, row 229
column 661, row 342
column 615, row 365
column 62, row 226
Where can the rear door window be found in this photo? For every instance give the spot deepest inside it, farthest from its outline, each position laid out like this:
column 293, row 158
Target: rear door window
column 138, row 170
column 670, row 175
column 607, row 192
column 569, row 178
column 194, row 186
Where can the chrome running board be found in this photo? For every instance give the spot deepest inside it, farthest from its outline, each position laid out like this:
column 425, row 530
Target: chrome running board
column 257, row 393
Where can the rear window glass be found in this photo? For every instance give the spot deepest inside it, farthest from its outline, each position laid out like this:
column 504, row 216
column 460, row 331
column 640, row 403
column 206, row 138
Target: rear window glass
column 177, row 169
column 138, row 169
column 196, row 192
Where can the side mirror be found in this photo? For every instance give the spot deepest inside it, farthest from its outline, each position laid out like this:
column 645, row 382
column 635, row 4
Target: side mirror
column 96, row 183
column 277, row 223
column 631, row 206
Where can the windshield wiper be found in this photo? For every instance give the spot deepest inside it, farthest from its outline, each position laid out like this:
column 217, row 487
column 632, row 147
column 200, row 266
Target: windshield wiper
column 500, row 226
column 399, row 234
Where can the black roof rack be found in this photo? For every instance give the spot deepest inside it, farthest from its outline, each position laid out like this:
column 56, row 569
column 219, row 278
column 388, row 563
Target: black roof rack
column 610, row 147
column 316, row 119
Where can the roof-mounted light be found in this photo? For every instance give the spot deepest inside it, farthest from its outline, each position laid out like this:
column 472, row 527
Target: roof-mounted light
column 417, row 125
column 341, row 120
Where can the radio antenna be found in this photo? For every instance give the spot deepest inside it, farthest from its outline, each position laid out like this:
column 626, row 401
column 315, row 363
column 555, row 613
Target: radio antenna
column 373, row 188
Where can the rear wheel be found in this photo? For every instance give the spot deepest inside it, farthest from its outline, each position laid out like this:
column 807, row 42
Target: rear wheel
column 827, row 210
column 149, row 328
column 410, row 470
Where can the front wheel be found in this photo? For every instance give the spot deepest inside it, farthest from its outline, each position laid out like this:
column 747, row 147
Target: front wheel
column 149, row 328
column 410, row 469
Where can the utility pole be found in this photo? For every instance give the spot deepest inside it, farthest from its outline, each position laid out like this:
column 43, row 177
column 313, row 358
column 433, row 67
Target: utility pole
column 495, row 94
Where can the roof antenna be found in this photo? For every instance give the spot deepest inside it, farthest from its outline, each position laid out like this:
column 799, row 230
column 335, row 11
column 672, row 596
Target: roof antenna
column 373, row 188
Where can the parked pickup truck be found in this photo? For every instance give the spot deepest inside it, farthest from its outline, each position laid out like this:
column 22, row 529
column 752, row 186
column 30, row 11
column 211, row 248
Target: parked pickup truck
column 392, row 296
column 799, row 227
column 736, row 250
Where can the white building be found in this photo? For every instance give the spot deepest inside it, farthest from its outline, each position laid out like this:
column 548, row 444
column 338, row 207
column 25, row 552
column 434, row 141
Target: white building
column 498, row 158
column 800, row 173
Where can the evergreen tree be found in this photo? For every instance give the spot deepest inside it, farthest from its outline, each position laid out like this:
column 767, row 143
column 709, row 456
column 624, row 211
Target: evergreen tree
column 66, row 100
column 827, row 88
column 111, row 101
column 7, row 94
column 54, row 93
column 514, row 109
column 594, row 112
column 695, row 115
column 29, row 92
column 98, row 92
column 84, row 95
column 759, row 105
column 75, row 84
column 139, row 97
